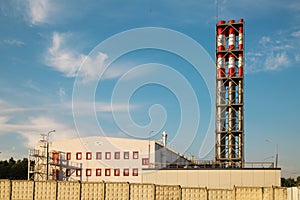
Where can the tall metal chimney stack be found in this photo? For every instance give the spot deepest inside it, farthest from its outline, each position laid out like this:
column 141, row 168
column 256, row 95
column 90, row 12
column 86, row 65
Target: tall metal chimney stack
column 229, row 141
column 164, row 138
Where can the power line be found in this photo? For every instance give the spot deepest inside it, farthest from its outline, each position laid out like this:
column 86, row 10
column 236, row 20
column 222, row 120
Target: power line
column 217, row 10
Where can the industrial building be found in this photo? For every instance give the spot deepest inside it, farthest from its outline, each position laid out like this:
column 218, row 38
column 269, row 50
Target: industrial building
column 144, row 161
column 99, row 158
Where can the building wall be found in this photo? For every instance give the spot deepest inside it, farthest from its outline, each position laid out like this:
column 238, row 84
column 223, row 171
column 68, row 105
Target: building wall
column 88, row 166
column 105, row 146
column 214, row 178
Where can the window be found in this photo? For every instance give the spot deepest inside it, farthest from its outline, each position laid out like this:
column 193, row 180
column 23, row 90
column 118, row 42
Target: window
column 135, row 172
column 107, row 155
column 88, row 172
column 98, row 172
column 126, row 155
column 78, row 172
column 89, row 155
column 98, row 156
column 55, row 158
column 117, row 155
column 78, row 156
column 55, row 174
column 68, row 156
column 126, row 172
column 145, row 161
column 135, row 155
column 107, row 172
column 116, row 172
column 68, row 172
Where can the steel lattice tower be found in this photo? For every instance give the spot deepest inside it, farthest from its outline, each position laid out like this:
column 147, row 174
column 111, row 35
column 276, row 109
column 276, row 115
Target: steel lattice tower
column 229, row 144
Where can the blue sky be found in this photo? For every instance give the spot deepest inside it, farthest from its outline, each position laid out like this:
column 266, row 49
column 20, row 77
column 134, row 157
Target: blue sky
column 43, row 44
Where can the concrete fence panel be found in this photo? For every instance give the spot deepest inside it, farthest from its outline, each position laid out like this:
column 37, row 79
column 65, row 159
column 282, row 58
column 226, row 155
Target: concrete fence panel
column 45, row 190
column 68, row 190
column 116, row 191
column 224, row 194
column 193, row 193
column 142, row 191
column 167, row 192
column 22, row 190
column 92, row 191
column 71, row 190
column 249, row 193
column 5, row 189
column 267, row 193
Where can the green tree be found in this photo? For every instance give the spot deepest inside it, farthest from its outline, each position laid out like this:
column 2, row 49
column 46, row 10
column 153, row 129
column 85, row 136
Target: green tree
column 289, row 182
column 14, row 170
column 298, row 181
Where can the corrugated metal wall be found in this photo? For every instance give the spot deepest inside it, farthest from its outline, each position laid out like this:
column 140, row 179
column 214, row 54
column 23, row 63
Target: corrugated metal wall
column 293, row 193
column 65, row 190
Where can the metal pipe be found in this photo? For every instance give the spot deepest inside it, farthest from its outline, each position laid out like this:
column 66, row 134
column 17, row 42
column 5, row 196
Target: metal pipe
column 47, row 166
column 276, row 156
column 276, row 160
column 149, row 150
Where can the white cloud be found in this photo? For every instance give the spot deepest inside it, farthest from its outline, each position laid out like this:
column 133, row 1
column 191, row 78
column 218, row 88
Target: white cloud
column 62, row 94
column 264, row 40
column 32, row 85
column 39, row 11
column 62, row 58
column 14, row 42
column 273, row 53
column 35, row 126
column 65, row 59
column 297, row 58
column 277, row 61
column 91, row 66
column 83, row 108
column 296, row 34
column 33, row 123
column 4, row 119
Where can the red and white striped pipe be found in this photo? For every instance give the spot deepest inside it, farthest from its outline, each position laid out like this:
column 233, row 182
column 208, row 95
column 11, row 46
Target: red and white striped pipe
column 231, row 36
column 231, row 65
column 240, row 64
column 241, row 35
column 221, row 38
column 221, row 65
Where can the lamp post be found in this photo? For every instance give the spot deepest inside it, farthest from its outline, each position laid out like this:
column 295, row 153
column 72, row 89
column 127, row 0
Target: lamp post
column 276, row 156
column 149, row 149
column 47, row 166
